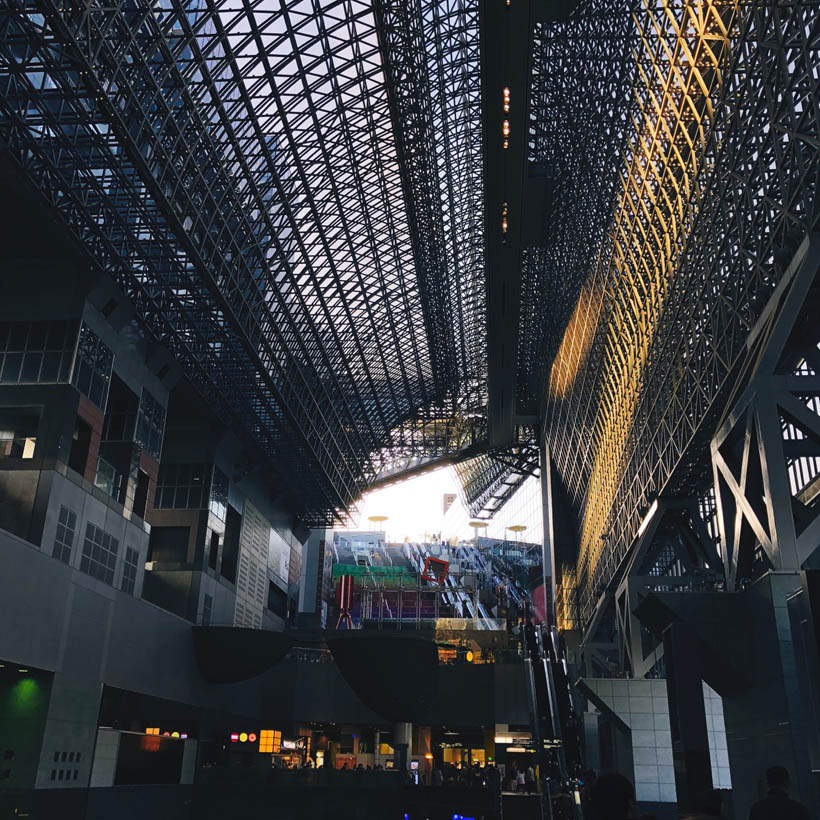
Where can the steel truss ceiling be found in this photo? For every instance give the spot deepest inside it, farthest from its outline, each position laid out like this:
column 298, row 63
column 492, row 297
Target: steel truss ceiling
column 291, row 206
column 291, row 193
column 682, row 137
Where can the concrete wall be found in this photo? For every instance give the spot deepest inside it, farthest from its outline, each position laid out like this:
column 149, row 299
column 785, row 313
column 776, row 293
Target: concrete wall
column 643, row 706
column 61, row 620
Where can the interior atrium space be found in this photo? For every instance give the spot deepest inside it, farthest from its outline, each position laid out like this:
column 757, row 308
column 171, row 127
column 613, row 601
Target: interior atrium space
column 410, row 409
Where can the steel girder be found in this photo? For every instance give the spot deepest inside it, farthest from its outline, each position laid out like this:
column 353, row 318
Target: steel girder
column 487, row 481
column 232, row 164
column 683, row 142
column 766, row 451
column 290, row 192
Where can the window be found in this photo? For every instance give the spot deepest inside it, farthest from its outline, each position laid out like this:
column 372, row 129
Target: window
column 230, row 544
column 92, row 367
column 80, row 444
column 141, row 493
column 182, row 487
column 18, row 432
column 213, row 554
column 36, row 352
column 219, row 494
column 121, row 412
column 129, row 570
column 13, row 446
column 207, row 608
column 169, row 545
column 150, row 424
column 64, row 539
column 99, row 554
column 109, row 479
column 277, row 600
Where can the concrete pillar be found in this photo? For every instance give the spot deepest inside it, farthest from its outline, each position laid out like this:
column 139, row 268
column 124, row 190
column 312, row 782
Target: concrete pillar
column 765, row 722
column 70, row 733
column 188, row 772
column 687, row 712
column 107, row 751
column 402, row 744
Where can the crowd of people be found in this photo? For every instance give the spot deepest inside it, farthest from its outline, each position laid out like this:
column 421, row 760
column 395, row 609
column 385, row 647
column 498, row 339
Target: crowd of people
column 612, row 797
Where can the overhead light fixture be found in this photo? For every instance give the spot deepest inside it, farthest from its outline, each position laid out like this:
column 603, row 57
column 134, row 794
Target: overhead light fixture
column 22, row 670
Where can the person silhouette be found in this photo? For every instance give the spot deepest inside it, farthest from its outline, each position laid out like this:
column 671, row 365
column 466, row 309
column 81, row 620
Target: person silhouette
column 777, row 805
column 612, row 797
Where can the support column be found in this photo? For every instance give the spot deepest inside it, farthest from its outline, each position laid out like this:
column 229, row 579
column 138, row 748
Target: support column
column 763, row 458
column 766, row 723
column 70, row 733
column 687, row 714
column 402, row 745
column 548, row 557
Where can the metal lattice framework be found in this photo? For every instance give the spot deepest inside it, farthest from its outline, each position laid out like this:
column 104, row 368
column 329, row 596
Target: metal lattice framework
column 489, row 480
column 275, row 190
column 682, row 188
column 294, row 196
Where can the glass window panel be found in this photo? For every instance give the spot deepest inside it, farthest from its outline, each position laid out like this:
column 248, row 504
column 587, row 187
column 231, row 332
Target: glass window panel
column 17, row 336
column 65, row 367
column 56, row 336
column 92, row 370
column 50, row 371
column 83, row 378
column 11, row 367
column 99, row 554
column 31, row 367
column 96, row 394
column 37, row 336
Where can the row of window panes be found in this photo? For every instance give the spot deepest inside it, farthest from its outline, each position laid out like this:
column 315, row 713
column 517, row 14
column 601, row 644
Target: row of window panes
column 181, row 498
column 99, row 554
column 36, row 352
column 129, row 570
column 64, row 539
column 219, row 494
column 34, row 368
column 92, row 368
column 150, row 424
column 183, row 487
column 27, row 336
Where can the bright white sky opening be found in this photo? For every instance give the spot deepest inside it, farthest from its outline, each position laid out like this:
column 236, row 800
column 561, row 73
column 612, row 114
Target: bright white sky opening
column 415, row 511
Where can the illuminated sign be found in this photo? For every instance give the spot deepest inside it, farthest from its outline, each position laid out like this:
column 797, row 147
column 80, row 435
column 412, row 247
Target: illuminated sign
column 270, row 741
column 154, row 730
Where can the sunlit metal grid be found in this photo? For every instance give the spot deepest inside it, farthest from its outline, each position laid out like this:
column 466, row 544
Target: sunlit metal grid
column 487, row 481
column 714, row 186
column 235, row 167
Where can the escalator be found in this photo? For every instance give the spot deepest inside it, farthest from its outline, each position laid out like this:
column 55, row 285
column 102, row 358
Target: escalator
column 553, row 724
